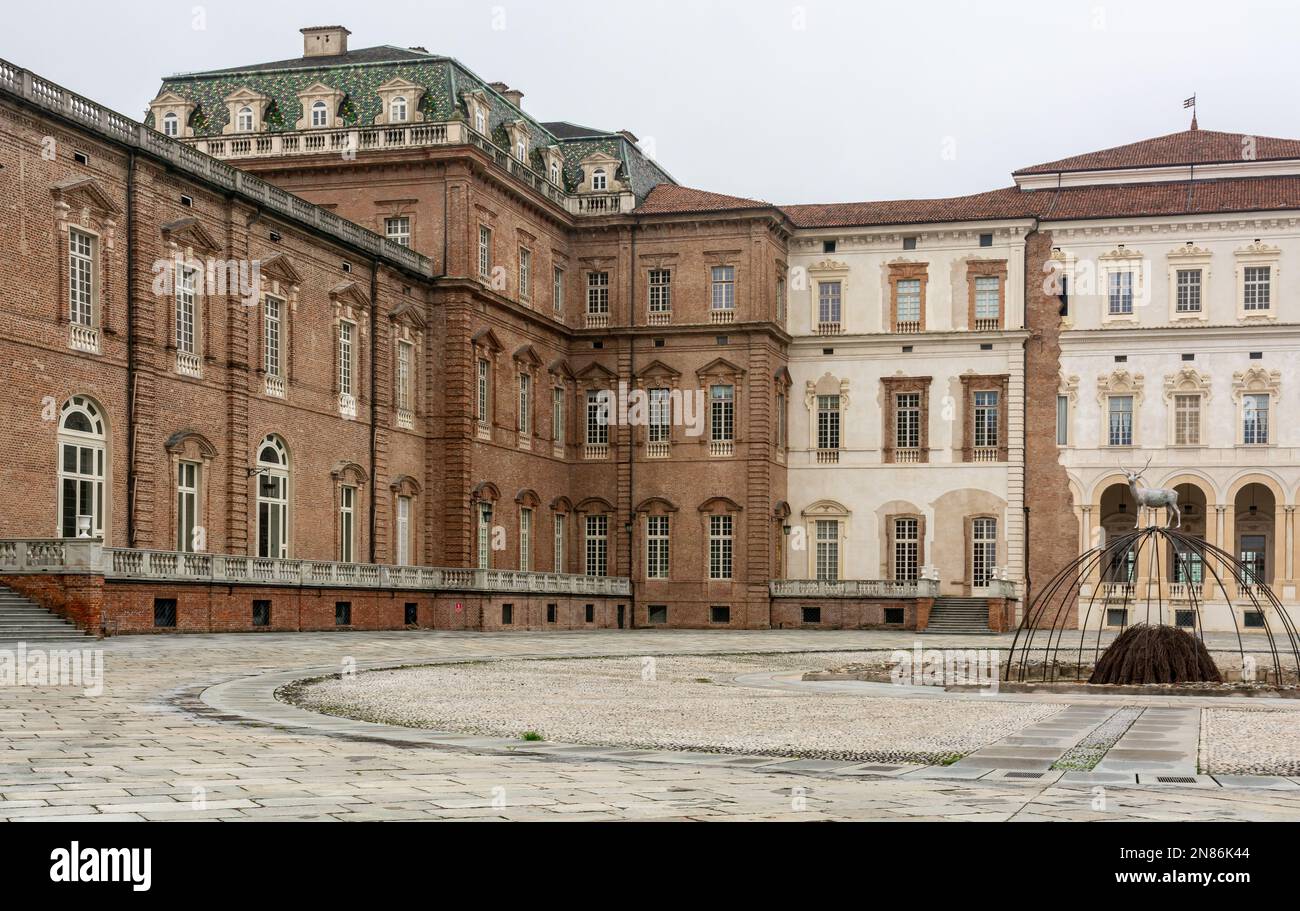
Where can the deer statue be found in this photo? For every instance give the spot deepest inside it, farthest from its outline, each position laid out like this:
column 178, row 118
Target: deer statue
column 1153, row 497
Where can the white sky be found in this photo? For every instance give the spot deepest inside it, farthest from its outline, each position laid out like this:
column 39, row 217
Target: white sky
column 820, row 101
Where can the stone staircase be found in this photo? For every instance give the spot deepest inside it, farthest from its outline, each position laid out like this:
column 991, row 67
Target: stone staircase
column 959, row 617
column 23, row 620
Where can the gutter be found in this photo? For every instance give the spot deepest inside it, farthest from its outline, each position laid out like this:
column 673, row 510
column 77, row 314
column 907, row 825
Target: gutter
column 131, row 377
column 374, row 399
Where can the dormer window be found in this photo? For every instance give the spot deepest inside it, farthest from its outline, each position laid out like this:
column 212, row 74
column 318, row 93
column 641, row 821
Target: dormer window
column 555, row 172
column 171, row 125
column 480, row 121
column 319, row 115
column 599, row 179
column 521, row 150
column 245, row 119
column 397, row 111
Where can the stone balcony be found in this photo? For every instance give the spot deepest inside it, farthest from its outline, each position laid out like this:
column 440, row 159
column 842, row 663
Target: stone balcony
column 350, row 144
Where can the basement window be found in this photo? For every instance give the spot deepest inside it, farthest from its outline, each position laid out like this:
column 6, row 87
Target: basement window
column 1117, row 616
column 1253, row 619
column 590, row 614
column 342, row 613
column 552, row 613
column 894, row 616
column 261, row 613
column 164, row 613
column 811, row 614
column 1185, row 619
column 658, row 614
column 507, row 615
column 720, row 614
column 412, row 616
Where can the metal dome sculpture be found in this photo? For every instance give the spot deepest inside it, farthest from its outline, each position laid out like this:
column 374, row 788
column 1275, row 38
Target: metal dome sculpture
column 1142, row 572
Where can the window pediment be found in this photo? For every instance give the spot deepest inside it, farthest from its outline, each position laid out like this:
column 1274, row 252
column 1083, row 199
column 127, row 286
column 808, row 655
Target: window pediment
column 1255, row 381
column 408, row 314
column 560, row 368
column 190, row 443
column 349, row 472
column 486, row 341
column 527, row 356
column 826, row 509
column 189, row 234
column 658, row 371
column 1187, row 381
column 1120, row 382
column 257, row 105
column 719, row 505
column 394, row 89
column 85, row 193
column 278, row 267
column 720, row 368
column 322, row 93
column 349, row 301
column 595, row 373
column 656, row 505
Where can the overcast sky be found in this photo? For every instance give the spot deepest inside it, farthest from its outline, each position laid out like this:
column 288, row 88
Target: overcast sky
column 820, row 101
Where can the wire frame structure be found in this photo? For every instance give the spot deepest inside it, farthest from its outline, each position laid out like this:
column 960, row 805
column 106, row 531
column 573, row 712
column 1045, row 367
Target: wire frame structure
column 1131, row 569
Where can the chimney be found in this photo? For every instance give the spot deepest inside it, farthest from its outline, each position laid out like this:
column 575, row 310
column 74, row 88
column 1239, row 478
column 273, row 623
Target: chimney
column 514, row 96
column 324, row 41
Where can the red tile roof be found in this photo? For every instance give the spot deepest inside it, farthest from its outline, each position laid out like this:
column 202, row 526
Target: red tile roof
column 1200, row 197
column 1186, row 148
column 1010, row 202
column 671, row 199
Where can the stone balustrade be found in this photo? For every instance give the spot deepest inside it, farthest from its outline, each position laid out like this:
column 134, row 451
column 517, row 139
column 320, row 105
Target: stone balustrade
column 853, row 588
column 91, row 557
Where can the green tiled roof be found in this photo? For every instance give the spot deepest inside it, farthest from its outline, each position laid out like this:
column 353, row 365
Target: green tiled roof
column 358, row 75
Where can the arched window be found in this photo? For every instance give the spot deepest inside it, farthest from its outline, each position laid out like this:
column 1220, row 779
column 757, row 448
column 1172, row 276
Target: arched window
column 272, row 498
column 319, row 115
column 397, row 110
column 599, row 180
column 171, row 125
column 244, row 122
column 83, row 466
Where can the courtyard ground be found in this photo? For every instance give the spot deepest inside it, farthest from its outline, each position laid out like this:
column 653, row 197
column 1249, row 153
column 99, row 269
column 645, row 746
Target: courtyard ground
column 188, row 727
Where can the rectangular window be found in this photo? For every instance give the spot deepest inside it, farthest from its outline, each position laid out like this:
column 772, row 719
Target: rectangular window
column 1257, row 287
column 907, row 304
column 411, row 614
column 722, row 414
column 589, row 613
column 781, row 432
column 780, row 300
column 552, row 613
column 1120, row 294
column 988, row 302
column 828, row 422
column 525, row 539
column 525, row 402
column 828, row 302
column 81, row 277
column 525, row 273
column 403, row 555
column 557, row 290
column 1062, row 420
column 720, row 614
column 484, row 251
column 661, row 291
column 345, row 357
column 507, row 614
column 597, row 417
column 657, row 614
column 661, row 407
column 907, row 550
column 597, row 292
column 1121, row 420
column 597, row 545
column 347, row 524
column 484, row 392
column 986, row 420
column 724, row 288
column 558, row 434
column 1255, row 417
column 261, row 613
column 984, row 558
column 561, row 530
column 404, row 376
column 720, row 547
column 1187, row 420
column 1188, row 291
column 828, row 550
column 343, row 613
column 185, row 309
column 187, row 507
column 810, row 615
column 164, row 613
column 271, row 336
column 656, row 561
column 485, row 536
column 907, row 418
column 398, row 230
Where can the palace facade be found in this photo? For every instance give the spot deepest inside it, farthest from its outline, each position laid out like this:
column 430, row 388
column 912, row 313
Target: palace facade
column 354, row 328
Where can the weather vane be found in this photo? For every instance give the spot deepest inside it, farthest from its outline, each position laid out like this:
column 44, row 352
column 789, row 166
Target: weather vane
column 1191, row 103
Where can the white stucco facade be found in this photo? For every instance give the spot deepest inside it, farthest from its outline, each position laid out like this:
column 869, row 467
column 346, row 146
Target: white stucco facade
column 864, row 360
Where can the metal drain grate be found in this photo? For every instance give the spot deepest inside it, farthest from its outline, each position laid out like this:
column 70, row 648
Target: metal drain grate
column 1175, row 779
column 1023, row 775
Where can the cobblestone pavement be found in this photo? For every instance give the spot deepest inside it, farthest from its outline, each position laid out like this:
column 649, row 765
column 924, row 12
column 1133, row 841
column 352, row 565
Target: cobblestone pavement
column 148, row 748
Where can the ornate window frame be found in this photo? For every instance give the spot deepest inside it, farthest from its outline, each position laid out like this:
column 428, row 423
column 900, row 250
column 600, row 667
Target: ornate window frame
column 986, row 268
column 1256, row 381
column 906, row 270
column 1258, row 254
column 1189, row 258
column 1068, row 388
column 239, row 99
column 814, row 390
column 824, row 511
column 971, row 383
column 1118, row 383
column 828, row 271
column 399, row 88
column 1120, row 260
column 1187, row 381
column 892, row 387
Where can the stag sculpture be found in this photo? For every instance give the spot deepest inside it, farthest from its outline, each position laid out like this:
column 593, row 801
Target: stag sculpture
column 1153, row 497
